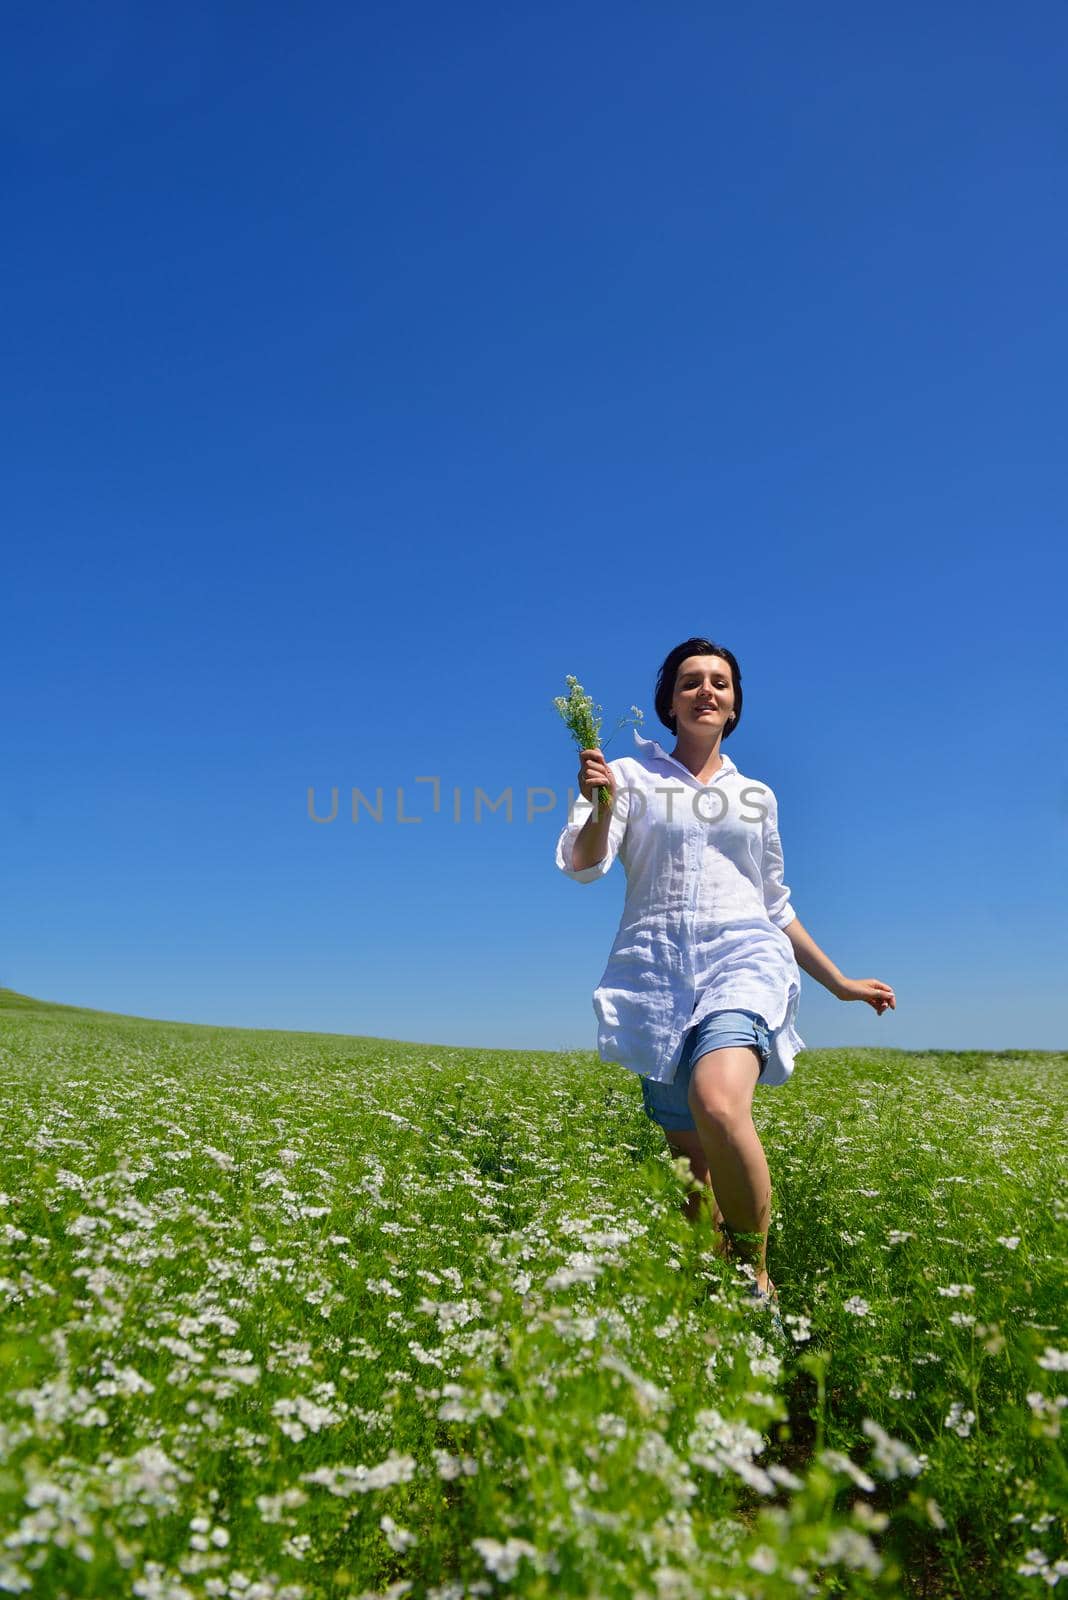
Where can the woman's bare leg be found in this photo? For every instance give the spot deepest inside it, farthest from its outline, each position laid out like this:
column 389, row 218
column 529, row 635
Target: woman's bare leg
column 721, row 1102
column 686, row 1142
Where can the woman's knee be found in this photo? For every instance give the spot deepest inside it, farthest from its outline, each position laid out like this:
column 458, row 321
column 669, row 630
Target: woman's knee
column 722, row 1086
column 720, row 1112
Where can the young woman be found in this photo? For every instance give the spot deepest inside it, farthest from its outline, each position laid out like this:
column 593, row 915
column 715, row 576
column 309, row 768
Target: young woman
column 701, row 988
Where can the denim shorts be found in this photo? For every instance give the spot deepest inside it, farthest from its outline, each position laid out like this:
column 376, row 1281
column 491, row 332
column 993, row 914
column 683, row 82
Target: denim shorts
column 667, row 1103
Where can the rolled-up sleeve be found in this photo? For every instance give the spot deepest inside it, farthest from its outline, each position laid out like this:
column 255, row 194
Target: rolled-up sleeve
column 565, row 844
column 776, row 893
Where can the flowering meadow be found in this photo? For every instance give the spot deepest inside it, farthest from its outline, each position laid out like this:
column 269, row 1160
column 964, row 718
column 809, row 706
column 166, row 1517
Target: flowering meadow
column 295, row 1315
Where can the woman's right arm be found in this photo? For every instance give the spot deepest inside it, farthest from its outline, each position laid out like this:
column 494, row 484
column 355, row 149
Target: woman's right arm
column 591, row 845
column 589, row 842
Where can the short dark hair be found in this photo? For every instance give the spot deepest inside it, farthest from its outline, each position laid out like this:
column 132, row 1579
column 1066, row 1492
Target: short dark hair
column 665, row 679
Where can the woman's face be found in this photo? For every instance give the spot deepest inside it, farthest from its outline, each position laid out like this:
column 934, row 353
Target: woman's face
column 704, row 695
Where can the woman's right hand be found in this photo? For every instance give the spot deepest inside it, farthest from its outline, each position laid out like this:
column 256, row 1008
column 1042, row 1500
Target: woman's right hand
column 593, row 774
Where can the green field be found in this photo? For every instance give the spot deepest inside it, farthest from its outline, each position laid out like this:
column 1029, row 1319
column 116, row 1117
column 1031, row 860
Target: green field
column 298, row 1315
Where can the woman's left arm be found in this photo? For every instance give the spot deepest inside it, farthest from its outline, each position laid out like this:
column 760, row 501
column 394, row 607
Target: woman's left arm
column 818, row 965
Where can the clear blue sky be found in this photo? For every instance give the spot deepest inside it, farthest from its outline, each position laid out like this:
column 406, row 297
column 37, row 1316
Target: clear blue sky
column 368, row 369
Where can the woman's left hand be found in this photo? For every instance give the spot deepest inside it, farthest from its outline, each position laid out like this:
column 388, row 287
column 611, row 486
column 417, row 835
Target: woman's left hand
column 878, row 995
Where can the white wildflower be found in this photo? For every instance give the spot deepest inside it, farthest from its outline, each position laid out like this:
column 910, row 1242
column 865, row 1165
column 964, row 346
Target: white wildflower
column 722, row 1446
column 959, row 1420
column 853, row 1549
column 127, row 1380
column 156, row 1583
column 503, row 1559
column 220, row 1157
column 835, row 1461
column 149, row 1477
column 1047, row 1411
column 868, row 1517
column 891, row 1456
column 343, row 1481
column 301, row 1416
column 426, row 1357
column 581, row 1268
column 271, row 1506
column 1037, row 1564
column 799, row 1326
column 449, row 1313
column 450, row 1467
column 397, row 1538
column 247, row 1374
column 649, row 1397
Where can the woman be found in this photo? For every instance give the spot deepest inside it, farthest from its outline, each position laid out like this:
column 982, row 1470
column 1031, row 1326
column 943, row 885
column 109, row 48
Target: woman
column 701, row 988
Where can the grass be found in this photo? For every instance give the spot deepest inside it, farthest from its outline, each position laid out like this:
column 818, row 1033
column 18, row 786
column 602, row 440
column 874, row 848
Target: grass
column 302, row 1315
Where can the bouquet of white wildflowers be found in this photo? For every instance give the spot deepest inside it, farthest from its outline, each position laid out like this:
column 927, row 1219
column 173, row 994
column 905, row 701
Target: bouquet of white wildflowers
column 584, row 721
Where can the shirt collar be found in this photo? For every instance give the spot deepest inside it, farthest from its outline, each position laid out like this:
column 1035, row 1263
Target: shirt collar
column 650, row 749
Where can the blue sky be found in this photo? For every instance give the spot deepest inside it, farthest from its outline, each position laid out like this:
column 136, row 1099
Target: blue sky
column 368, row 369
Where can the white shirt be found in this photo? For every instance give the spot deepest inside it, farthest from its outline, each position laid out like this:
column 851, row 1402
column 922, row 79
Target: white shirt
column 702, row 922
